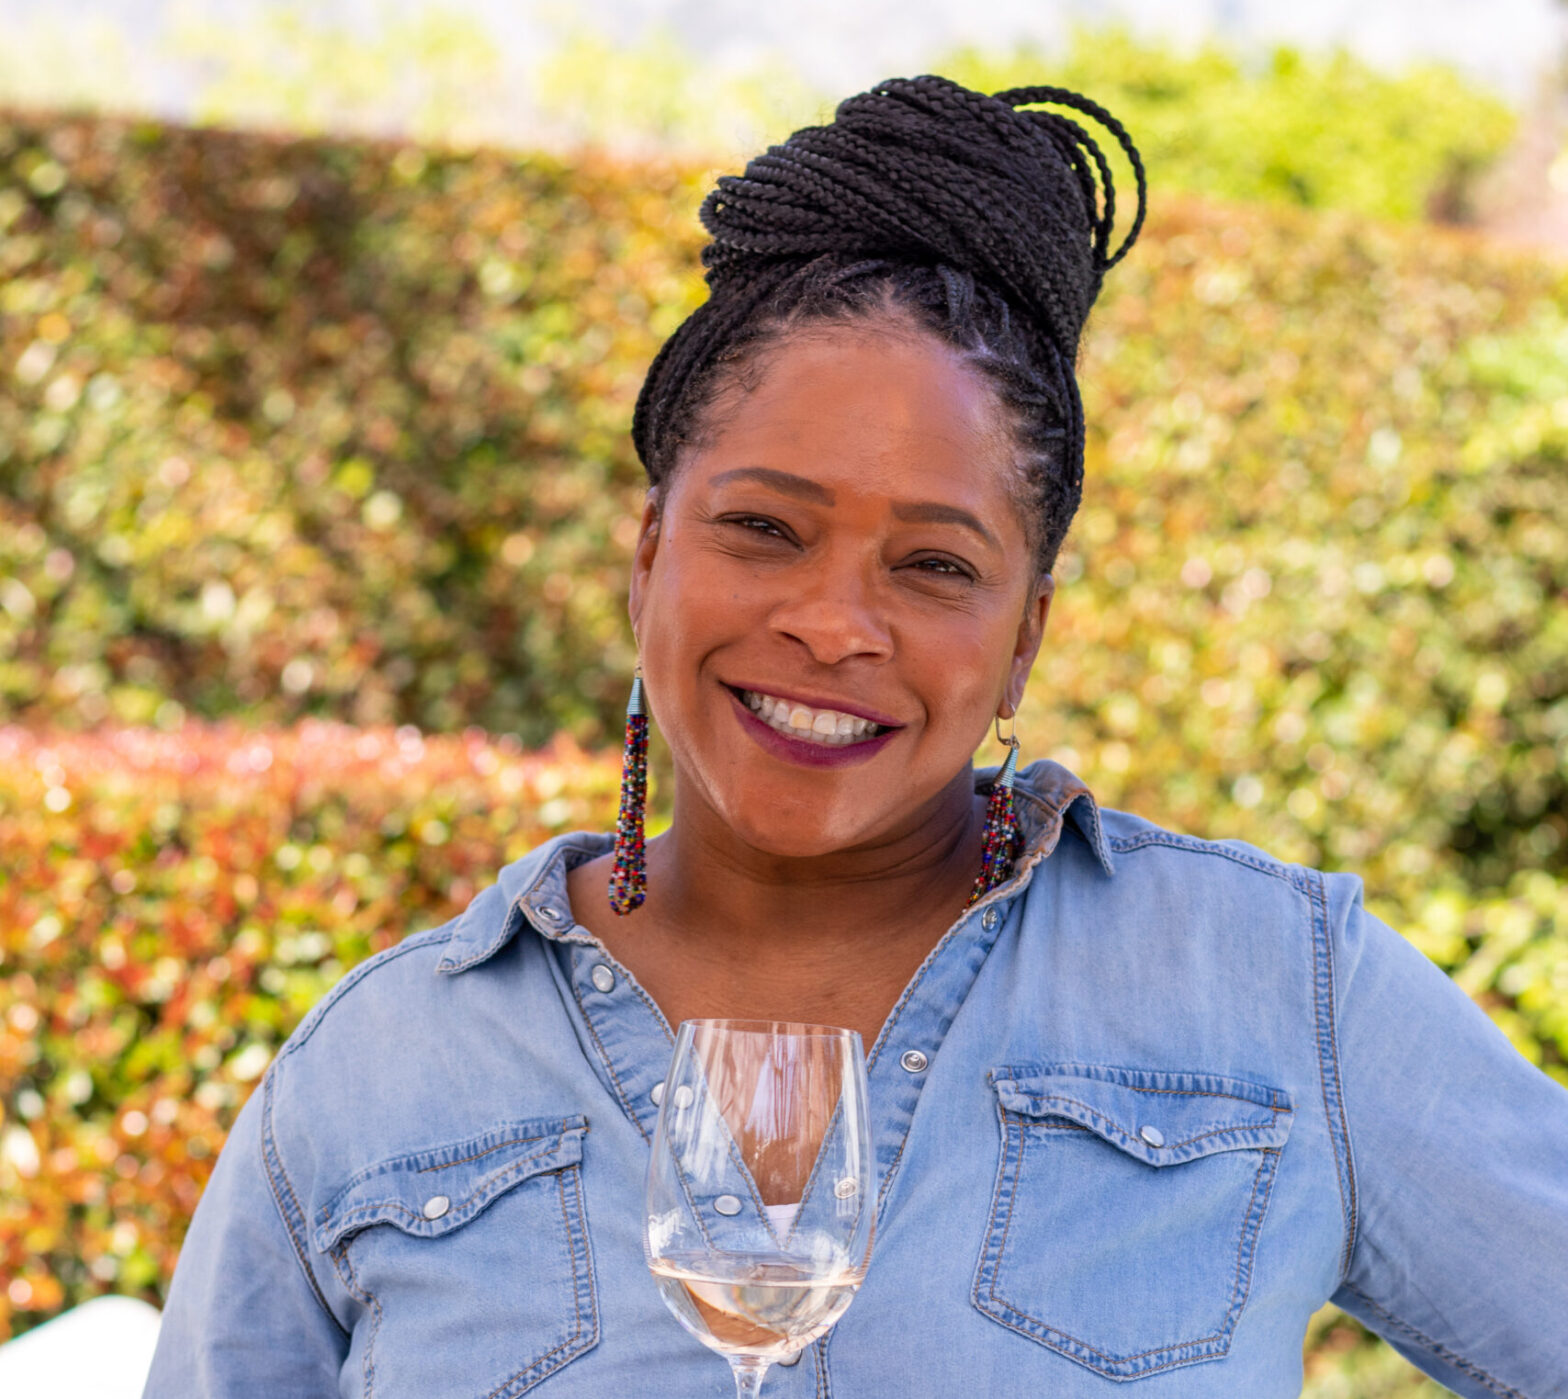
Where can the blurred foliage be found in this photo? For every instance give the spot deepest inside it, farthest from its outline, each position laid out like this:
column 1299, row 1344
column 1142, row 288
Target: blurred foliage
column 1315, row 596
column 657, row 94
column 71, row 62
column 1317, row 129
column 1343, row 1360
column 171, row 904
column 430, row 74
column 292, row 428
column 340, row 429
column 1323, row 131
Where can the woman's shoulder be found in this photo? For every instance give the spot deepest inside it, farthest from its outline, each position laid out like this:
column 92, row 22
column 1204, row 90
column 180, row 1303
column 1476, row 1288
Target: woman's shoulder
column 1131, row 882
column 1226, row 882
column 1128, row 837
column 1128, row 847
column 391, row 982
column 408, row 1051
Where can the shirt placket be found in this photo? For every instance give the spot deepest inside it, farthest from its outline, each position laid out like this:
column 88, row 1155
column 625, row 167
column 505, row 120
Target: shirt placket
column 629, row 1034
column 900, row 1061
column 633, row 1042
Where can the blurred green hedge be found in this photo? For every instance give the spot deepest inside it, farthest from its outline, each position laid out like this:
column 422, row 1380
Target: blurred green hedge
column 314, row 428
column 1320, row 130
column 1316, row 595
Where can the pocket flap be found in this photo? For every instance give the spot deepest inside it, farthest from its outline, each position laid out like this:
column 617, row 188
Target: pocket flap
column 432, row 1191
column 1156, row 1116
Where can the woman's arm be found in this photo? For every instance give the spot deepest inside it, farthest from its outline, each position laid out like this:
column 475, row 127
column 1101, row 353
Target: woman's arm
column 244, row 1316
column 1458, row 1169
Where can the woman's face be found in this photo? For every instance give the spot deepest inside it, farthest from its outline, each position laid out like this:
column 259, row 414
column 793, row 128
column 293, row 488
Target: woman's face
column 835, row 593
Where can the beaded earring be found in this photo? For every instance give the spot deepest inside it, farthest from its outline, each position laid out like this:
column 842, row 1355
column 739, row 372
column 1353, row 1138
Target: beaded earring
column 1000, row 840
column 629, row 876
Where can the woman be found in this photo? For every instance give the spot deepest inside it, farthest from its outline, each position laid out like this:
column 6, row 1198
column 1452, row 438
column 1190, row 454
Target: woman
column 1141, row 1102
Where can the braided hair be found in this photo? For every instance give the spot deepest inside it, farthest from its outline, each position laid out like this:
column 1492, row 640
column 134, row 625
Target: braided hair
column 962, row 214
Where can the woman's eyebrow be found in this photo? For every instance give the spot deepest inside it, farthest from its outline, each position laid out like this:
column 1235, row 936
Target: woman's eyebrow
column 931, row 512
column 787, row 482
column 923, row 512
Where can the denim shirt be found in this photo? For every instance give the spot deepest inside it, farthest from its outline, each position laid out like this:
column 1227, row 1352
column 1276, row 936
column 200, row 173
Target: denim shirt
column 1141, row 1111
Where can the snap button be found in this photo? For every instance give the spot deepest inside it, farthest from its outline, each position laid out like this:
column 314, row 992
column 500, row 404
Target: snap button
column 912, row 1061
column 683, row 1096
column 603, row 978
column 789, row 1360
column 727, row 1204
column 657, row 1093
column 846, row 1187
column 436, row 1206
column 989, row 919
column 550, row 912
column 1152, row 1135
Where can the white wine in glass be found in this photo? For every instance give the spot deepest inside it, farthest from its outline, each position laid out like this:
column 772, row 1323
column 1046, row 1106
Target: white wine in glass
column 762, row 1188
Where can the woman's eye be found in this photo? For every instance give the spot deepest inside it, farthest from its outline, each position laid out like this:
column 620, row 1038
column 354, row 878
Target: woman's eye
column 757, row 524
column 948, row 568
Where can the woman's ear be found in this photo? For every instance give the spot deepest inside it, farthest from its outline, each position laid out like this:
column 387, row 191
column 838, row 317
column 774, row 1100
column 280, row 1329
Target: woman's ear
column 1031, row 628
column 643, row 554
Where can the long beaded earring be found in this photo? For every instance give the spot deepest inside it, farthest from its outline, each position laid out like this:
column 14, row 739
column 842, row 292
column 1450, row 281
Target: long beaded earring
column 1000, row 840
column 629, row 876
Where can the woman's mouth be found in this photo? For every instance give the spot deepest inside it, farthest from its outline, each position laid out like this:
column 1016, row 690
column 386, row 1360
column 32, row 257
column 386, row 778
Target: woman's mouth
column 831, row 728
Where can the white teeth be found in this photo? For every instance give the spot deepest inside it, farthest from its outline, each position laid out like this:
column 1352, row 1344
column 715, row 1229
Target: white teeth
column 828, row 726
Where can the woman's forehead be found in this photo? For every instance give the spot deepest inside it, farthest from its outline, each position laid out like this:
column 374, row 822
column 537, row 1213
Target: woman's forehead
column 882, row 407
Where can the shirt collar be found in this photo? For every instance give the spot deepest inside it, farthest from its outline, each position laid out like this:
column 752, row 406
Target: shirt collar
column 1046, row 795
column 533, row 889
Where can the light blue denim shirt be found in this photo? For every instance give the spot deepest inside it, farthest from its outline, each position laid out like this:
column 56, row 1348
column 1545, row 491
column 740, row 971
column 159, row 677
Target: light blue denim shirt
column 1139, row 1114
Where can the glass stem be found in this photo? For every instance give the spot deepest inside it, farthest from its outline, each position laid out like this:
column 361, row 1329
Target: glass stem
column 748, row 1376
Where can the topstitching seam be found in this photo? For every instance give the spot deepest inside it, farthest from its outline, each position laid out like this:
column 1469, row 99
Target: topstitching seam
column 269, row 1156
column 1329, row 1072
column 1172, row 840
column 413, row 943
column 1438, row 1350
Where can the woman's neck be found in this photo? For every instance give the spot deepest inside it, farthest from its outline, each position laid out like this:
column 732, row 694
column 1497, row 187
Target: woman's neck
column 731, row 931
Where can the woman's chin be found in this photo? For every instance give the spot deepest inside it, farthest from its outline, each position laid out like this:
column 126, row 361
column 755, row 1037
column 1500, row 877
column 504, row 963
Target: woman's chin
column 806, row 834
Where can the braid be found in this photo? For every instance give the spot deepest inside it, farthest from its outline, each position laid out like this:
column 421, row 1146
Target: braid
column 986, row 225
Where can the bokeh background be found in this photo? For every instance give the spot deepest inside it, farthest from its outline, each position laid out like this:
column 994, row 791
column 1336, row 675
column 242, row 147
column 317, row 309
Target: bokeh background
column 320, row 328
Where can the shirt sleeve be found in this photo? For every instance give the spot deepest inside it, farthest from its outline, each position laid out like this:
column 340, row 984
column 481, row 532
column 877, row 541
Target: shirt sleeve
column 244, row 1318
column 1458, row 1172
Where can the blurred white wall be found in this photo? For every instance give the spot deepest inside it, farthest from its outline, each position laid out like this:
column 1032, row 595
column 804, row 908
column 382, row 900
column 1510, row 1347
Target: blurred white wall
column 137, row 53
column 99, row 1350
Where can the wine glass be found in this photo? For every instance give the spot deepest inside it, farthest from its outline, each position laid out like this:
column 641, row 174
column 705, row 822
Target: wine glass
column 762, row 1187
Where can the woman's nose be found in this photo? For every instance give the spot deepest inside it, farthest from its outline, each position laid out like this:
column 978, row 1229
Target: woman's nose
column 835, row 615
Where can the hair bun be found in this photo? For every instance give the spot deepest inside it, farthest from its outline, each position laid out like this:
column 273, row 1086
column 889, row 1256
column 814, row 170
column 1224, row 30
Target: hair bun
column 926, row 170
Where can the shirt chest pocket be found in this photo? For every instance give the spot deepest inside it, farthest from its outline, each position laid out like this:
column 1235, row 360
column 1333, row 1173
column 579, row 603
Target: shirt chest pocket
column 470, row 1261
column 1127, row 1210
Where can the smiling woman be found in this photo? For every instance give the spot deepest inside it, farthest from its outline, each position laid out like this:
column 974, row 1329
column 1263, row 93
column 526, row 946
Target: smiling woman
column 1139, row 1103
column 833, row 598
